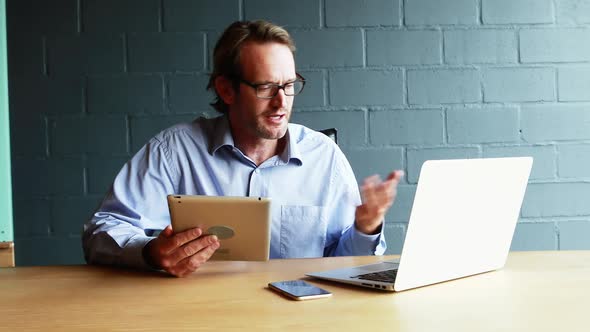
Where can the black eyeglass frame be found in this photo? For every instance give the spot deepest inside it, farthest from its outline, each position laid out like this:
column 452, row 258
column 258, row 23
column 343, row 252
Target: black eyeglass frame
column 278, row 86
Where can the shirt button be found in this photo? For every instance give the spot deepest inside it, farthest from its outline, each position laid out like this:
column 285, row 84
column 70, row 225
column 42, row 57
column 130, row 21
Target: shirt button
column 257, row 171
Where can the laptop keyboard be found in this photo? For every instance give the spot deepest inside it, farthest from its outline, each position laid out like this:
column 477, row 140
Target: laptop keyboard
column 384, row 276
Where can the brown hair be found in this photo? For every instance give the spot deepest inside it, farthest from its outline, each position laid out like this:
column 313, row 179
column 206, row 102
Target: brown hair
column 226, row 55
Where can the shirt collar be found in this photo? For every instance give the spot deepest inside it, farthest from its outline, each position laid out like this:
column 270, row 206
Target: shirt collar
column 221, row 136
column 291, row 151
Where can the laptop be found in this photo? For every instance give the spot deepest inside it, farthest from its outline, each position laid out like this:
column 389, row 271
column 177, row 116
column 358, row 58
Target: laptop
column 242, row 224
column 462, row 222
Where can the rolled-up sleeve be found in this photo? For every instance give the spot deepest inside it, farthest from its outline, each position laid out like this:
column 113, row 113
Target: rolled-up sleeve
column 134, row 206
column 345, row 199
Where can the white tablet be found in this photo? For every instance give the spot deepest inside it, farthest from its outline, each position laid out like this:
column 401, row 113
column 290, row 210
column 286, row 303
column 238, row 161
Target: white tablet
column 242, row 224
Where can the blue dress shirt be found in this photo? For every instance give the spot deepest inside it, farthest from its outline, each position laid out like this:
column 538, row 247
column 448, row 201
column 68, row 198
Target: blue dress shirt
column 312, row 187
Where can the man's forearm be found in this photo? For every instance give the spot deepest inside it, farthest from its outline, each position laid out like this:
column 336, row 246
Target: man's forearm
column 125, row 248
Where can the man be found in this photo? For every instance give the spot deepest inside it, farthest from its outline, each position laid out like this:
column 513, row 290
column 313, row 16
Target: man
column 251, row 150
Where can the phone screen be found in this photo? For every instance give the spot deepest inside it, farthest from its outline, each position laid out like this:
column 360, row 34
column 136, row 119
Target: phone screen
column 299, row 289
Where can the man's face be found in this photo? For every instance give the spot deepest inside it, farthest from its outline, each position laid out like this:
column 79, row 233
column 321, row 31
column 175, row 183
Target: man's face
column 257, row 118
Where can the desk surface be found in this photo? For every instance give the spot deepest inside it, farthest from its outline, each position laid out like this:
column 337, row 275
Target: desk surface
column 536, row 291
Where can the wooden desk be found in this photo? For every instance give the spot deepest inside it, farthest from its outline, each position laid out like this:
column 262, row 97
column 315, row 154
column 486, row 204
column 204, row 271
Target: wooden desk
column 536, row 291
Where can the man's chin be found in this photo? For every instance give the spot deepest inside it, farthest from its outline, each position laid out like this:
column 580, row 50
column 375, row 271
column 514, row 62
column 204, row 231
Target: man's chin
column 274, row 133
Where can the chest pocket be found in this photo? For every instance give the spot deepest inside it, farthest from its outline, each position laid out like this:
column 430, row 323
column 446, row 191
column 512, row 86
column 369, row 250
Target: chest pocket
column 303, row 231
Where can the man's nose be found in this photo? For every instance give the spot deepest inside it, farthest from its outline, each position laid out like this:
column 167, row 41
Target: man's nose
column 280, row 99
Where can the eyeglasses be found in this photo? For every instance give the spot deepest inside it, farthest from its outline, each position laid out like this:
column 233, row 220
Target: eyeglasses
column 270, row 90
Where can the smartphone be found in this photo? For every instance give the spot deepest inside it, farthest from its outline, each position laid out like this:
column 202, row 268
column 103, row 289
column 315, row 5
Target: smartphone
column 299, row 290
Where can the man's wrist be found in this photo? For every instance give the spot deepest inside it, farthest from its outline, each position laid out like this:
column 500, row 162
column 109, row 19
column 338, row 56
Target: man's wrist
column 373, row 231
column 147, row 257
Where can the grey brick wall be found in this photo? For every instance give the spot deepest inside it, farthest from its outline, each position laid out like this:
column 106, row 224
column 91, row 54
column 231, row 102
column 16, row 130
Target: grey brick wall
column 403, row 80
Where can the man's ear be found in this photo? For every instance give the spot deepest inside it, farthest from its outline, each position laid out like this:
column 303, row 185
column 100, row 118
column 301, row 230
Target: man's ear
column 225, row 89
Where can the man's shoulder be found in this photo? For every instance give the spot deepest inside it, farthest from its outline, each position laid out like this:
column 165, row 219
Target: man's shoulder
column 304, row 136
column 312, row 143
column 198, row 129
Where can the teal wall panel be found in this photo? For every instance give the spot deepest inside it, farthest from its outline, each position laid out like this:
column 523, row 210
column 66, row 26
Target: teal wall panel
column 6, row 228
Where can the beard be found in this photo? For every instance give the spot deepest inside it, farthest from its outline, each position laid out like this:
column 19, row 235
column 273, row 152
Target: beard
column 269, row 131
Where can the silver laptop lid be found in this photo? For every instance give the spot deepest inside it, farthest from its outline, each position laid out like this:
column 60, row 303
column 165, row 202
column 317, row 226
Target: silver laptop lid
column 463, row 219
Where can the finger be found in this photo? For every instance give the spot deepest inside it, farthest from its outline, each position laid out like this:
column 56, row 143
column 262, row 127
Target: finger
column 391, row 176
column 397, row 174
column 394, row 177
column 192, row 248
column 383, row 195
column 372, row 179
column 180, row 239
column 192, row 263
column 392, row 181
column 368, row 189
column 167, row 232
column 368, row 194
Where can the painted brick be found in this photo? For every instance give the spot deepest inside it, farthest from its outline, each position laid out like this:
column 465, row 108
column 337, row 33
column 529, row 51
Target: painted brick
column 166, row 52
column 91, row 134
column 406, row 127
column 366, row 88
column 64, row 249
column 374, row 161
column 543, row 158
column 212, row 37
column 53, row 95
column 574, row 84
column 480, row 46
column 69, row 214
column 187, row 94
column 440, row 86
column 555, row 122
column 121, row 16
column 125, row 94
column 574, row 160
column 573, row 11
column 402, row 206
column 556, row 199
column 313, row 93
column 328, row 48
column 395, row 235
column 574, row 235
column 143, row 128
column 428, row 12
column 85, row 54
column 403, row 47
column 42, row 16
column 286, row 13
column 534, row 236
column 417, row 157
column 28, row 135
column 60, row 63
column 47, row 177
column 555, row 45
column 25, row 55
column 101, row 172
column 31, row 217
column 517, row 11
column 189, row 15
column 362, row 13
column 490, row 124
column 519, row 84
column 350, row 124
